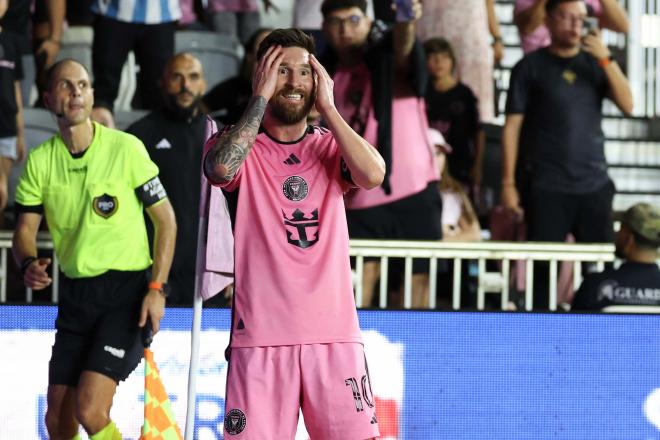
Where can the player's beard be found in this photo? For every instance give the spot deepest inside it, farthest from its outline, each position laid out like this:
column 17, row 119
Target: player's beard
column 290, row 114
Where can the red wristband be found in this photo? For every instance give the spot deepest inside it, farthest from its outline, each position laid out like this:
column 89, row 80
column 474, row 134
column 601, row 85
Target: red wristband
column 155, row 285
column 603, row 62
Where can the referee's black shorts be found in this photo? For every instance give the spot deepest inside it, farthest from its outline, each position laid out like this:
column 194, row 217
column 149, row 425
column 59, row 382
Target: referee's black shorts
column 97, row 326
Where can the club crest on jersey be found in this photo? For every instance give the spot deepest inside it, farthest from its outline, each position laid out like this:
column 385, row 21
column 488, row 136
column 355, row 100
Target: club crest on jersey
column 105, row 205
column 295, row 188
column 235, row 422
column 302, row 231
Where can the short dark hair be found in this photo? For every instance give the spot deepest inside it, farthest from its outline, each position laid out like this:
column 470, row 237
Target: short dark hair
column 55, row 68
column 552, row 4
column 439, row 45
column 287, row 38
column 329, row 6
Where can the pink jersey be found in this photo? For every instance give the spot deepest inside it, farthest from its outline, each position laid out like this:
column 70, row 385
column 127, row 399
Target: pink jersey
column 413, row 160
column 293, row 276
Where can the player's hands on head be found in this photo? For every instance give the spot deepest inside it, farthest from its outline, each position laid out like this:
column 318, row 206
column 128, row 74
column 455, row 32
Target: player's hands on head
column 153, row 307
column 325, row 100
column 36, row 277
column 264, row 81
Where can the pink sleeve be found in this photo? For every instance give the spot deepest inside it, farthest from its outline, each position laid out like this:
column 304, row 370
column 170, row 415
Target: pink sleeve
column 597, row 7
column 521, row 5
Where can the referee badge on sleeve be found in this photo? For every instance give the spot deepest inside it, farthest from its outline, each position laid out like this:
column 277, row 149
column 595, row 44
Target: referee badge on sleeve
column 105, row 205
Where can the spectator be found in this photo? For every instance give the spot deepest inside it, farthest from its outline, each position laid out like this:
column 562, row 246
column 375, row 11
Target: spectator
column 237, row 18
column 121, row 26
column 92, row 184
column 79, row 13
column 467, row 25
column 529, row 17
column 227, row 100
column 48, row 23
column 380, row 79
column 553, row 154
column 637, row 280
column 451, row 108
column 17, row 20
column 307, row 16
column 12, row 136
column 174, row 137
column 459, row 221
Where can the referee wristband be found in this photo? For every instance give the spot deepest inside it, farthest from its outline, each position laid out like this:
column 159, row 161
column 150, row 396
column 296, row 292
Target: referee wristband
column 160, row 287
column 26, row 263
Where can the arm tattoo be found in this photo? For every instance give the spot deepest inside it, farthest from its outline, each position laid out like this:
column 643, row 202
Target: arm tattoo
column 225, row 158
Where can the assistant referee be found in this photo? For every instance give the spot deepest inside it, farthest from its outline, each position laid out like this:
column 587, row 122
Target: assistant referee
column 92, row 184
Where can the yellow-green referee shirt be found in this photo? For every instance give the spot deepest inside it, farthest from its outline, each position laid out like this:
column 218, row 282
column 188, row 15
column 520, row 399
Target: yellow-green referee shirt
column 93, row 203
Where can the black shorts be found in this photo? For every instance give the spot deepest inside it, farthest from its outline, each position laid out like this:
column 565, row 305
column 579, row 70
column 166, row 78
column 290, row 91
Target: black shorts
column 97, row 327
column 416, row 217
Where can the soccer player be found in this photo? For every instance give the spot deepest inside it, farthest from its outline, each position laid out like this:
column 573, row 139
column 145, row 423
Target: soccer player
column 295, row 339
column 92, row 184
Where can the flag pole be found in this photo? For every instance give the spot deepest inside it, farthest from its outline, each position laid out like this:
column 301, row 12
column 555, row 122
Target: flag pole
column 194, row 337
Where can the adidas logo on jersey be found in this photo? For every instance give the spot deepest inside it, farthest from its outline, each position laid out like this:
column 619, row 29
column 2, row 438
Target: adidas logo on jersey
column 292, row 160
column 164, row 144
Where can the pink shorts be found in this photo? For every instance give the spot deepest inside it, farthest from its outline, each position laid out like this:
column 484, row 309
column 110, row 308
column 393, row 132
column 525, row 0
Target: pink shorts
column 267, row 386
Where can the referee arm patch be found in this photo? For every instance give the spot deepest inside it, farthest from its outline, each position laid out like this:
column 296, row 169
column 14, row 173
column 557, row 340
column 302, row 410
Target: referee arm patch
column 151, row 192
column 37, row 209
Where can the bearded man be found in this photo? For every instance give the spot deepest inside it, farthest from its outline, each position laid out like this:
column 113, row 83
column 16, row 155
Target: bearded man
column 174, row 137
column 295, row 338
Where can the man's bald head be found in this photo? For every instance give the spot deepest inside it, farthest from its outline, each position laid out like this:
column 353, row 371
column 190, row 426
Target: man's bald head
column 183, row 83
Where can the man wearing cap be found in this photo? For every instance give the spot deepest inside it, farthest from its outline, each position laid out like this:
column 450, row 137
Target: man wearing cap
column 637, row 280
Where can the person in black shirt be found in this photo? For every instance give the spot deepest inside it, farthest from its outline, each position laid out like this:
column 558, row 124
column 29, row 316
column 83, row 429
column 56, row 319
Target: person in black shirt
column 12, row 138
column 451, row 108
column 227, row 101
column 553, row 159
column 174, row 137
column 637, row 280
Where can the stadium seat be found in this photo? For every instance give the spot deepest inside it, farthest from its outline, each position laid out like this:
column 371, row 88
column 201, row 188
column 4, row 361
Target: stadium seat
column 220, row 55
column 39, row 126
column 124, row 118
column 77, row 44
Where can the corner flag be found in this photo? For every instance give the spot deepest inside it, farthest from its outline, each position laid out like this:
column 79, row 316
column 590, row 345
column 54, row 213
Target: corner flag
column 159, row 421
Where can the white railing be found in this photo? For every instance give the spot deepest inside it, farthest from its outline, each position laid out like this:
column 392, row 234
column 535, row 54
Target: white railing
column 488, row 282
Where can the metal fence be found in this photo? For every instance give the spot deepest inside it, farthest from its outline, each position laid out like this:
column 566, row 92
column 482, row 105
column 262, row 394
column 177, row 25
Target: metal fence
column 491, row 282
column 488, row 281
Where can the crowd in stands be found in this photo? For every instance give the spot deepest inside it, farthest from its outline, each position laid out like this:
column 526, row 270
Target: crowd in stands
column 420, row 90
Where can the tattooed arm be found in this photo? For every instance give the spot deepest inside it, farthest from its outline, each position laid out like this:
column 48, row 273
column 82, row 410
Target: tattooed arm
column 225, row 158
column 231, row 149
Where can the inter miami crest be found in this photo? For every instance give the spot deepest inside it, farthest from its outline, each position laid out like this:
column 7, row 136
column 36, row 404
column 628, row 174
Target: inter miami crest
column 235, row 422
column 105, row 205
column 295, row 188
column 302, row 231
